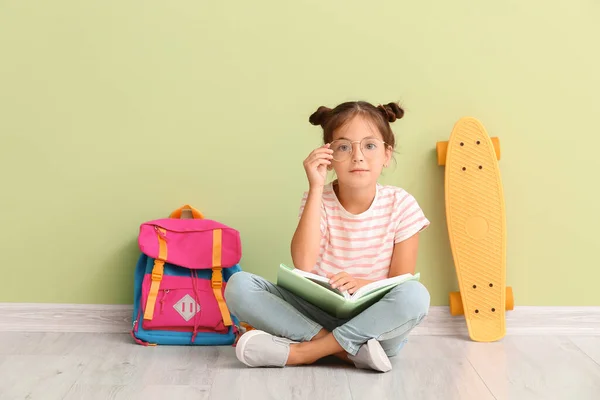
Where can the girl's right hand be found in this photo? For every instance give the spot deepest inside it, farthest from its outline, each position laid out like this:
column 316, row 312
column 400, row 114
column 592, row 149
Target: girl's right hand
column 316, row 165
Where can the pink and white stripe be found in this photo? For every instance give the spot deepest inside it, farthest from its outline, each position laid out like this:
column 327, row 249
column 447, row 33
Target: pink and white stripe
column 362, row 245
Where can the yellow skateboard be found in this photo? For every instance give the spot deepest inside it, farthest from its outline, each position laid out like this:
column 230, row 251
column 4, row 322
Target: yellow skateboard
column 476, row 223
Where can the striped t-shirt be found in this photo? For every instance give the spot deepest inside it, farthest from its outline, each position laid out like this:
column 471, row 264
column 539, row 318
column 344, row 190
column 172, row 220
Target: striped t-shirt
column 362, row 244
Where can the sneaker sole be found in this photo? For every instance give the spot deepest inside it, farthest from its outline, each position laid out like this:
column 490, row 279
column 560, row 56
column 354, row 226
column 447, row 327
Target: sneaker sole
column 380, row 359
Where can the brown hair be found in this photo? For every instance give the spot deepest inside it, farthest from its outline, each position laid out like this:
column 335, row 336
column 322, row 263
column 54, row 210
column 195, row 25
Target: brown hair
column 380, row 116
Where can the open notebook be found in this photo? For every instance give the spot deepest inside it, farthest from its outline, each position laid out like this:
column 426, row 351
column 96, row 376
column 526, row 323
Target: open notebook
column 316, row 290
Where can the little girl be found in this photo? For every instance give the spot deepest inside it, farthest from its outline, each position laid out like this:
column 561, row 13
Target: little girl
column 352, row 230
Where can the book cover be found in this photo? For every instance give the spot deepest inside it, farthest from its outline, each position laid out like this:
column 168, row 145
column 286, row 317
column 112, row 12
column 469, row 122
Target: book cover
column 316, row 290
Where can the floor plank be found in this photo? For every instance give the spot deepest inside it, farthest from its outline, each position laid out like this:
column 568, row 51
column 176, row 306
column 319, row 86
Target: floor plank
column 543, row 367
column 422, row 379
column 233, row 380
column 111, row 366
column 127, row 364
column 590, row 345
column 426, row 368
column 38, row 376
column 136, row 391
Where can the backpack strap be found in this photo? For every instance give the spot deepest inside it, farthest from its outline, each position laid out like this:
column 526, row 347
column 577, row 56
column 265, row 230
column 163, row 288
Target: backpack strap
column 217, row 277
column 157, row 274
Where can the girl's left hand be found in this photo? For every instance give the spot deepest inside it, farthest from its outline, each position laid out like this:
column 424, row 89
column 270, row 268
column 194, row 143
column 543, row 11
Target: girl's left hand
column 343, row 281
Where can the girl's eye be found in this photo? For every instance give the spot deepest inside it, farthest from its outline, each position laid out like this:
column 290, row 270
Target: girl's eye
column 343, row 147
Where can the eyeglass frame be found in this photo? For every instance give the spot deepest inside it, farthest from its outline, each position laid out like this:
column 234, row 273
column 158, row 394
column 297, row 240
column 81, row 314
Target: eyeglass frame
column 359, row 142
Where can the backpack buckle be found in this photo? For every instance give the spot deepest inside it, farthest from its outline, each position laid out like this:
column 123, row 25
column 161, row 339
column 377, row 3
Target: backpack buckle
column 217, row 278
column 156, row 276
column 157, row 271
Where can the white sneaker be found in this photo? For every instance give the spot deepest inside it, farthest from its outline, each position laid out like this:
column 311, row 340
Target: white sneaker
column 261, row 349
column 371, row 356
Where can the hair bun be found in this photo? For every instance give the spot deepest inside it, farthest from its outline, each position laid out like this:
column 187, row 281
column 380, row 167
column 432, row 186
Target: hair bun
column 320, row 116
column 391, row 111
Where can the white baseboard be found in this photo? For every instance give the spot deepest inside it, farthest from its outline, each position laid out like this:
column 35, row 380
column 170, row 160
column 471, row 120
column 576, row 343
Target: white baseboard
column 524, row 320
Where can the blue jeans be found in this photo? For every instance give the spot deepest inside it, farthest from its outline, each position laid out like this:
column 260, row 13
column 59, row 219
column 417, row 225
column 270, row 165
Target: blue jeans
column 272, row 309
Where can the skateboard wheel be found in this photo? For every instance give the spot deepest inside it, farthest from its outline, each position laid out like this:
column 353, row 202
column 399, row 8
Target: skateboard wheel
column 456, row 305
column 442, row 149
column 496, row 143
column 510, row 300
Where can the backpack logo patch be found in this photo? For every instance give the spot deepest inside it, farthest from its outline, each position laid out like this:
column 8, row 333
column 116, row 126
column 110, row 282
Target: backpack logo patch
column 187, row 307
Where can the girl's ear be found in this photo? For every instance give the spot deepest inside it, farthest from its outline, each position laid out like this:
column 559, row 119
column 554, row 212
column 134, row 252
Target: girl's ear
column 388, row 156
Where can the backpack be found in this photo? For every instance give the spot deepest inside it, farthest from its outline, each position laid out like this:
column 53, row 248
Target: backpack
column 180, row 280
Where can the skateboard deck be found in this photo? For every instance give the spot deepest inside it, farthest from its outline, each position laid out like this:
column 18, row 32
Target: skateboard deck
column 476, row 222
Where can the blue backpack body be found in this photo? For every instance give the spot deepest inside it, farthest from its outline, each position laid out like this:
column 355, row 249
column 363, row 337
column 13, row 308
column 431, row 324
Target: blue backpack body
column 146, row 337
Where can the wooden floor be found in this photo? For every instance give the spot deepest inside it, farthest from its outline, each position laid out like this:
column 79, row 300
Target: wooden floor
column 109, row 366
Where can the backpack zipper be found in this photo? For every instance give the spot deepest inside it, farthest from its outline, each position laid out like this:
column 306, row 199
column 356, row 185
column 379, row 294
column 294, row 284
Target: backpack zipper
column 162, row 301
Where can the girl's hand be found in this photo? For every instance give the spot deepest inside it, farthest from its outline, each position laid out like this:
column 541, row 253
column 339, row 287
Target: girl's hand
column 316, row 164
column 343, row 281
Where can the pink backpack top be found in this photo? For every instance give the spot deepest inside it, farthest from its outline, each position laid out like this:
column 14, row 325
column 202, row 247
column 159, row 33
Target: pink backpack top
column 190, row 242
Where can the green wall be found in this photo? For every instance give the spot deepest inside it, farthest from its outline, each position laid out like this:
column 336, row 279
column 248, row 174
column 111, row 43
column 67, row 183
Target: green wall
column 116, row 112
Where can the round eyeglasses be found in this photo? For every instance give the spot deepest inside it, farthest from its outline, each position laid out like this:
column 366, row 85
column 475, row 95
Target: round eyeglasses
column 343, row 148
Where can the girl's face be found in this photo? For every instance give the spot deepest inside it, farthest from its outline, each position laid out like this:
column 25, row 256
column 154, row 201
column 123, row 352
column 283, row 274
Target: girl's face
column 359, row 153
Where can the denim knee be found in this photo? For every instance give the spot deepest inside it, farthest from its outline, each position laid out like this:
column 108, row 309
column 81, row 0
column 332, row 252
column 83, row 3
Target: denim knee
column 237, row 290
column 410, row 304
column 412, row 301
